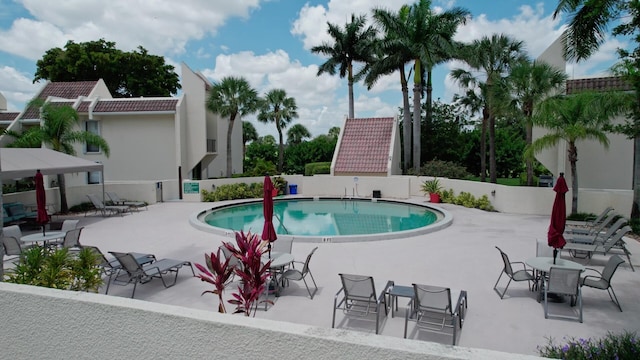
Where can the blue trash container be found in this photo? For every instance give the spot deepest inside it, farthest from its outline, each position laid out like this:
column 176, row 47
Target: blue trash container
column 293, row 189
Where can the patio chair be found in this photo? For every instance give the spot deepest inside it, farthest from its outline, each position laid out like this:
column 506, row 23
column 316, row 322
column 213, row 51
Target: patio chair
column 103, row 209
column 432, row 310
column 283, row 245
column 614, row 244
column 297, row 275
column 543, row 249
column 69, row 224
column 518, row 275
column 136, row 273
column 112, row 267
column 234, row 262
column 71, row 240
column 603, row 280
column 13, row 247
column 564, row 282
column 359, row 298
column 589, row 224
column 597, row 237
column 116, row 200
column 13, row 231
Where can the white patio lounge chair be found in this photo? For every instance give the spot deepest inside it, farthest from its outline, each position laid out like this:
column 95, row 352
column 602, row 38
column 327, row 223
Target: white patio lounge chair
column 103, row 209
column 116, row 200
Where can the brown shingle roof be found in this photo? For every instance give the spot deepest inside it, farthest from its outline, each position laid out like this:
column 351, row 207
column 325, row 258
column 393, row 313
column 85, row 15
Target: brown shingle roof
column 598, row 84
column 365, row 144
column 132, row 105
column 8, row 115
column 65, row 90
column 83, row 107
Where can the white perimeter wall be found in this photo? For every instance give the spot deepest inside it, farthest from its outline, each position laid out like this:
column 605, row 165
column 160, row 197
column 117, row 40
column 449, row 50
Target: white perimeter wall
column 55, row 324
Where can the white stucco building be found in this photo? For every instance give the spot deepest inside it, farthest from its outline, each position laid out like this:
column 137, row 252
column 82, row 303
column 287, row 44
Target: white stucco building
column 156, row 139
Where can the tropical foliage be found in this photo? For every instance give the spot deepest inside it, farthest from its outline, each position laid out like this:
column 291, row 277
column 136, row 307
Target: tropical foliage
column 126, row 74
column 297, row 133
column 231, row 98
column 353, row 44
column 571, row 118
column 280, row 109
column 588, row 22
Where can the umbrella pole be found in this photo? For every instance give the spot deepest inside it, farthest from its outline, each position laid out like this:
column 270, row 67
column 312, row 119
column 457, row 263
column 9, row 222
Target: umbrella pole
column 555, row 253
column 43, row 234
column 269, row 249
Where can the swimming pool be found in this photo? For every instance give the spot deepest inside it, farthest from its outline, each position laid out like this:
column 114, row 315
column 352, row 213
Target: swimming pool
column 327, row 219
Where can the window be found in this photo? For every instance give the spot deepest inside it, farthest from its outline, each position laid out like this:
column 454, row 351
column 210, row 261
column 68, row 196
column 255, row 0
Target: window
column 93, row 127
column 94, row 177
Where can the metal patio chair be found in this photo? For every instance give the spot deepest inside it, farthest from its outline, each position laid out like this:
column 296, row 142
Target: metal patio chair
column 358, row 297
column 517, row 275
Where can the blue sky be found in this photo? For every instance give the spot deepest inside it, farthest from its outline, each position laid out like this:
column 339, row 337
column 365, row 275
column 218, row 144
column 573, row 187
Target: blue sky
column 266, row 41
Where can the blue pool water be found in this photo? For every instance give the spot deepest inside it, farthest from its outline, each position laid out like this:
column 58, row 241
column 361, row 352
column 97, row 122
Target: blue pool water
column 325, row 217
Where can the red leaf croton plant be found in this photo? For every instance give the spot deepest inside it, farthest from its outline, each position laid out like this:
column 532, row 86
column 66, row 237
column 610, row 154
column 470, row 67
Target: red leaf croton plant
column 253, row 273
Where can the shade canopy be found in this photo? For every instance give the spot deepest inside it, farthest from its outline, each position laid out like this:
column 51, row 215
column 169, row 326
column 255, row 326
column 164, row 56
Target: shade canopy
column 18, row 163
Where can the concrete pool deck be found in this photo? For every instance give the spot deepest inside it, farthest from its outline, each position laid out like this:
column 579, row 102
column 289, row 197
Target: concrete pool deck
column 461, row 256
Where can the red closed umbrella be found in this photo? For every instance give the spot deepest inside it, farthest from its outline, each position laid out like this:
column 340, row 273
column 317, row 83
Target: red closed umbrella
column 41, row 201
column 268, row 232
column 558, row 217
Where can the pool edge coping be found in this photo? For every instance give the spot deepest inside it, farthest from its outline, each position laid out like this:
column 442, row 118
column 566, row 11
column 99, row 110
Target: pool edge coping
column 446, row 221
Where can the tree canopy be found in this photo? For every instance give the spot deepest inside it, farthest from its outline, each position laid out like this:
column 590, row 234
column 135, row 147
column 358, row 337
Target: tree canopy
column 126, row 74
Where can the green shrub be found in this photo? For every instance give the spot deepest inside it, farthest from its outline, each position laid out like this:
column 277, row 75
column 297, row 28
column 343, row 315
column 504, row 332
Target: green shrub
column 41, row 266
column 466, row 199
column 233, row 192
column 581, row 216
column 262, row 168
column 317, row 168
column 82, row 207
column 613, row 346
column 439, row 168
column 635, row 226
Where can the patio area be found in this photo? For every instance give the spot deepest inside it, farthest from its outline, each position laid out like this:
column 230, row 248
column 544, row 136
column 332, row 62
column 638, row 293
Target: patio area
column 462, row 256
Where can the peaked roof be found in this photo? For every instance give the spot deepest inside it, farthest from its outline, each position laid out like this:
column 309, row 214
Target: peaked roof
column 364, row 146
column 64, row 90
column 138, row 104
column 8, row 115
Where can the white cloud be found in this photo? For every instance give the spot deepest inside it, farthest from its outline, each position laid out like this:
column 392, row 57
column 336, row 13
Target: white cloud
column 16, row 87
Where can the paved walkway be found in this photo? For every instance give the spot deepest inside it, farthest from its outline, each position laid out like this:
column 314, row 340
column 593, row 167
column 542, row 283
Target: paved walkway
column 462, row 256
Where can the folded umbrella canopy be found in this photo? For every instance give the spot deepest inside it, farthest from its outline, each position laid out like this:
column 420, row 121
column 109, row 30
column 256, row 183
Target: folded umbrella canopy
column 41, row 201
column 558, row 217
column 268, row 232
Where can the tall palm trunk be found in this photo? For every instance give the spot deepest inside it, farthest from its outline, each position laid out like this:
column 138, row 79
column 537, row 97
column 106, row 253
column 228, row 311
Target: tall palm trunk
column 280, row 148
column 62, row 188
column 406, row 123
column 493, row 178
column 483, row 145
column 417, row 89
column 351, row 100
column 232, row 119
column 573, row 159
column 429, row 101
column 635, row 206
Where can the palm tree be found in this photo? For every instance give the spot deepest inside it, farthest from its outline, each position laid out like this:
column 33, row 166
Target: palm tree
column 232, row 97
column 297, row 133
column 492, row 59
column 334, row 132
column 395, row 54
column 353, row 44
column 249, row 133
column 585, row 34
column 58, row 131
column 531, row 81
column 572, row 118
column 279, row 109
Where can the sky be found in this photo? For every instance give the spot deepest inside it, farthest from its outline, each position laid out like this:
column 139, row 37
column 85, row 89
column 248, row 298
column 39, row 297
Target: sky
column 267, row 42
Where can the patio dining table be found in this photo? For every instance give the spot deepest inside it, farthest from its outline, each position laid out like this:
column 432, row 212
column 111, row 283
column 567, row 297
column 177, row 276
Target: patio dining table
column 543, row 264
column 44, row 238
column 278, row 261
